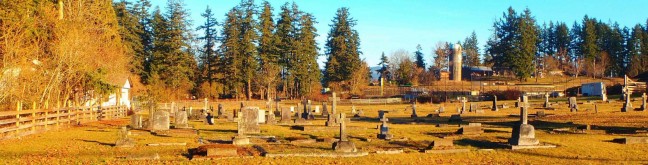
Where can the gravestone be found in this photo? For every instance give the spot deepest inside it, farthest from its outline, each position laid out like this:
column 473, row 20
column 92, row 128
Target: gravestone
column 414, row 115
column 285, row 116
column 384, row 129
column 523, row 133
column 441, row 144
column 540, row 113
column 262, row 116
column 525, row 101
column 230, row 116
column 343, row 144
column 546, row 103
column 271, row 120
column 331, row 120
column 494, row 107
column 595, row 108
column 299, row 119
column 455, row 118
column 209, row 119
column 604, row 97
column 473, row 107
column 471, row 129
column 181, row 119
column 359, row 113
column 123, row 140
column 504, row 106
column 136, row 121
column 644, row 98
column 381, row 114
column 573, row 105
column 325, row 111
column 353, row 109
column 463, row 104
column 241, row 138
column 248, row 120
column 292, row 109
column 317, row 109
column 160, row 121
column 221, row 112
column 627, row 105
column 441, row 108
column 306, row 110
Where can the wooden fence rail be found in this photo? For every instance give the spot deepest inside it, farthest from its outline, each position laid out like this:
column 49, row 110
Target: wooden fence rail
column 22, row 122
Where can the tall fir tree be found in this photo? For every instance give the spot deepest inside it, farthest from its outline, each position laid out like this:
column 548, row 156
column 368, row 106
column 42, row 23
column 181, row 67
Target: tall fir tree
column 471, row 50
column 130, row 30
column 418, row 54
column 208, row 56
column 230, row 52
column 268, row 51
column 287, row 44
column 247, row 43
column 309, row 77
column 384, row 67
column 342, row 48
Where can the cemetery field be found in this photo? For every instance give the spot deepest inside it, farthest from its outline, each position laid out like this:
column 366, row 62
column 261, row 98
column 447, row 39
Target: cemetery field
column 92, row 143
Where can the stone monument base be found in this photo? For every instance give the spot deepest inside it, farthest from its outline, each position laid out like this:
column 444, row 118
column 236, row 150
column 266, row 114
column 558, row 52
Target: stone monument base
column 241, row 140
column 344, row 146
column 385, row 136
column 523, row 135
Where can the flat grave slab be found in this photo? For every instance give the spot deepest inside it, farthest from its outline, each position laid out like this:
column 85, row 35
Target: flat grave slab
column 631, row 140
column 327, row 154
column 519, row 147
column 446, row 151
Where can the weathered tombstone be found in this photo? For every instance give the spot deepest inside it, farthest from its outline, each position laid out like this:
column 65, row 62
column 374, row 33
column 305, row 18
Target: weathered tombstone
column 123, row 140
column 262, row 116
column 248, row 121
column 285, row 116
column 455, row 118
column 441, row 109
column 209, row 119
column 136, row 121
column 381, row 114
column 317, row 109
column 441, row 144
column 230, row 117
column 343, row 144
column 463, row 104
column 473, row 107
column 299, row 119
column 353, row 109
column 540, row 113
column 334, row 100
column 546, row 103
column 271, row 120
column 324, row 109
column 414, row 115
column 471, row 129
column 161, row 121
column 359, row 113
column 221, row 112
column 292, row 109
column 306, row 110
column 627, row 105
column 241, row 138
column 494, row 107
column 644, row 98
column 331, row 119
column 181, row 119
column 523, row 133
column 525, row 100
column 573, row 105
column 504, row 106
column 384, row 129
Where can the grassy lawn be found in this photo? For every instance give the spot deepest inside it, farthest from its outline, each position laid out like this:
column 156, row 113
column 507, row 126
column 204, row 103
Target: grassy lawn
column 91, row 143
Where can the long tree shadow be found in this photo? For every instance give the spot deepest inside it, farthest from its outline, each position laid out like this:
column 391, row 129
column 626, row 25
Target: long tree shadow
column 482, row 144
column 98, row 142
column 416, row 145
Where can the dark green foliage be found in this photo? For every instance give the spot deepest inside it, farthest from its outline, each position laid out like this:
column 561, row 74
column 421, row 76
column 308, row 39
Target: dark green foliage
column 471, row 51
column 420, row 61
column 342, row 48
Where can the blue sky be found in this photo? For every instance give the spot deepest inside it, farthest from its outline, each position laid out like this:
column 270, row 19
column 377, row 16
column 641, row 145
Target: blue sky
column 389, row 25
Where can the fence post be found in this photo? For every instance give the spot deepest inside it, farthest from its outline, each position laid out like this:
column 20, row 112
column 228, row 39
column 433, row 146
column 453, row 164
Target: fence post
column 18, row 109
column 69, row 112
column 33, row 127
column 46, row 114
column 58, row 114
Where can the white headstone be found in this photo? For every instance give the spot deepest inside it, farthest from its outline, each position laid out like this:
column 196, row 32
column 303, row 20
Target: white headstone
column 262, row 116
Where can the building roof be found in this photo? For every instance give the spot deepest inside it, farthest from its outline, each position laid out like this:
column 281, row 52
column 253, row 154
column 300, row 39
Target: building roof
column 481, row 68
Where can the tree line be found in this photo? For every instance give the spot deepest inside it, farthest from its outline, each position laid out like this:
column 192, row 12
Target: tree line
column 251, row 53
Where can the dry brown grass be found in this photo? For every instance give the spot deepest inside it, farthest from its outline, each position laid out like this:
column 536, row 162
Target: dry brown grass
column 91, row 143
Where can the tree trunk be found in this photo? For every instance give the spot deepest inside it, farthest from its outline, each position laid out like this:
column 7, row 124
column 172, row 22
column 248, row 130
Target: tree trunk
column 249, row 89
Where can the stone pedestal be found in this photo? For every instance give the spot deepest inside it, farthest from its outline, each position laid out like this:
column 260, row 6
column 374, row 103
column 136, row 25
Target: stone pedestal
column 344, row 146
column 241, row 140
column 523, row 135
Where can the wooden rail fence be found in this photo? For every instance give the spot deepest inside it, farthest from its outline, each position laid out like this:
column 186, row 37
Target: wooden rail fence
column 22, row 122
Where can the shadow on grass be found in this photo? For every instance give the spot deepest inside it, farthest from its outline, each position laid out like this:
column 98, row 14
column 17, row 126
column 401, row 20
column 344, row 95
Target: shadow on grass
column 220, row 141
column 411, row 144
column 482, row 144
column 100, row 143
column 219, row 130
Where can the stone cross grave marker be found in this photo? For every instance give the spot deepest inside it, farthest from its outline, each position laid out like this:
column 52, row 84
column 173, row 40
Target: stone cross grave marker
column 334, row 101
column 384, row 129
column 248, row 122
column 644, row 98
column 343, row 144
column 271, row 120
column 523, row 133
column 161, row 120
column 463, row 104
